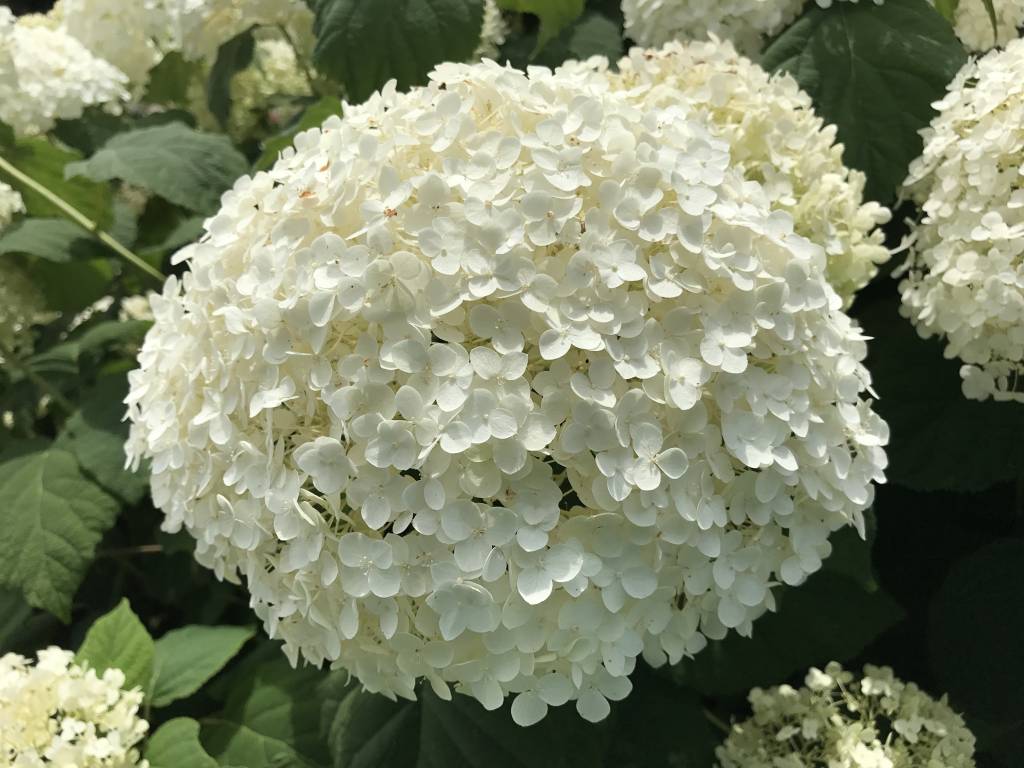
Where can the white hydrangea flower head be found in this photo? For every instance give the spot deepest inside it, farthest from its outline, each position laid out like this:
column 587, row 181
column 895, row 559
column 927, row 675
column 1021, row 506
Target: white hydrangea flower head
column 974, row 26
column 652, row 23
column 964, row 278
column 501, row 383
column 841, row 721
column 492, row 33
column 131, row 36
column 205, row 25
column 46, row 75
column 776, row 139
column 55, row 712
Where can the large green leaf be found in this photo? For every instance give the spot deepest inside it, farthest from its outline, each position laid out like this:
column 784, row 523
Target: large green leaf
column 271, row 720
column 51, row 519
column 57, row 240
column 184, row 166
column 46, row 163
column 189, row 656
column 977, row 622
column 119, row 641
column 364, row 43
column 940, row 439
column 233, row 56
column 96, row 435
column 176, row 745
column 554, row 15
column 830, row 618
column 874, row 71
column 365, row 730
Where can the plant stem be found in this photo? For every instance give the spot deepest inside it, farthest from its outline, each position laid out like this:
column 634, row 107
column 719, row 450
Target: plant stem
column 716, row 721
column 141, row 549
column 81, row 220
column 310, row 80
column 25, row 370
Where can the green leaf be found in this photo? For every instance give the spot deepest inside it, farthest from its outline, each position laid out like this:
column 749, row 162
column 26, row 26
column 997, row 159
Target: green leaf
column 176, row 745
column 851, row 555
column 184, row 166
column 366, row 730
column 554, row 15
column 72, row 286
column 948, row 9
column 874, row 71
column 119, row 641
column 46, row 163
column 364, row 43
column 314, row 115
column 188, row 657
column 595, row 35
column 21, row 628
column 977, row 622
column 51, row 519
column 920, row 396
column 55, row 240
column 830, row 618
column 271, row 719
column 170, row 79
column 96, row 435
column 233, row 56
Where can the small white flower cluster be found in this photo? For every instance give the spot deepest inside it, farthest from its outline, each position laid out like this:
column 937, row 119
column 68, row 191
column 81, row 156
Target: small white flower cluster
column 54, row 712
column 501, row 383
column 747, row 23
column 492, row 34
column 203, row 26
column 840, row 721
column 11, row 204
column 973, row 25
column 776, row 139
column 965, row 271
column 47, row 75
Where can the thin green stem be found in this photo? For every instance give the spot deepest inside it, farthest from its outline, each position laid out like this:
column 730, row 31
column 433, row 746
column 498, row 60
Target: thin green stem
column 716, row 721
column 306, row 71
column 81, row 220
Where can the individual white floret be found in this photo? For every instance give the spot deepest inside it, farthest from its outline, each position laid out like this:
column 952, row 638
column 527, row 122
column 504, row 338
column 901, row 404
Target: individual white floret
column 841, row 721
column 55, row 712
column 502, row 383
column 965, row 272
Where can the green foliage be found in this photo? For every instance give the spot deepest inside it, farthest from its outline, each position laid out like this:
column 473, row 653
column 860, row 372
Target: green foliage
column 947, row 8
column 234, row 56
column 55, row 240
column 45, row 162
column 176, row 745
column 184, row 166
column 830, row 618
column 921, row 398
column 119, row 641
column 554, row 15
column 188, row 657
column 52, row 518
column 271, row 718
column 874, row 71
column 364, row 43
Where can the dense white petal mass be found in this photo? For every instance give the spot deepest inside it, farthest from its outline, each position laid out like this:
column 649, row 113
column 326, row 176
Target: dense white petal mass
column 776, row 139
column 965, row 271
column 202, row 26
column 502, row 383
column 973, row 25
column 54, row 712
column 47, row 75
column 839, row 720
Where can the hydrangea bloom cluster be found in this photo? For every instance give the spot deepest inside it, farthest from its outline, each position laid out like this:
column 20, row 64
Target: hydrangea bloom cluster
column 965, row 278
column 54, row 712
column 501, row 383
column 974, row 26
column 840, row 721
column 745, row 22
column 204, row 25
column 47, row 75
column 776, row 139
